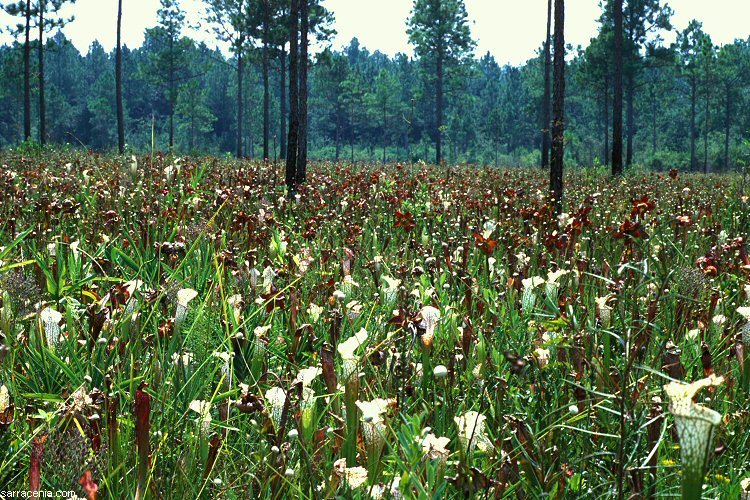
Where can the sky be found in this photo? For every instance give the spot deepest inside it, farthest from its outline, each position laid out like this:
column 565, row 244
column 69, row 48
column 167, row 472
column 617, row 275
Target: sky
column 511, row 30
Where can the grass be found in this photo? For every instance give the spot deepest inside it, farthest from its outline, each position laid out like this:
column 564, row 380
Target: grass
column 218, row 340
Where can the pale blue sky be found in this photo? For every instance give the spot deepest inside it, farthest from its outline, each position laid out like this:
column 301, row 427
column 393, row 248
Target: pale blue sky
column 509, row 29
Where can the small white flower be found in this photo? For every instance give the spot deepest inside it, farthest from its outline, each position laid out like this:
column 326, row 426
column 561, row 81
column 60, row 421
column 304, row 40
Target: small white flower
column 348, row 285
column 604, row 310
column 390, row 291
column 471, row 431
column 435, row 447
column 275, row 400
column 430, row 319
column 373, row 424
column 528, row 299
column 492, row 261
column 50, row 320
column 315, row 312
column 307, row 375
column 745, row 486
column 235, row 302
column 533, row 282
column 542, row 356
column 554, row 276
column 719, row 320
column 523, row 259
column 184, row 297
column 262, row 331
column 552, row 285
column 489, row 228
column 563, row 220
column 347, row 348
column 440, row 371
column 373, row 411
column 169, row 172
column 354, row 476
column 268, row 275
column 182, row 359
column 353, row 310
column 226, row 366
column 203, row 409
column 4, row 398
column 254, row 276
column 79, row 401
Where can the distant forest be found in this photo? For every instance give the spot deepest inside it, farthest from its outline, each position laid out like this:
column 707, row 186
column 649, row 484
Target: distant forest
column 686, row 104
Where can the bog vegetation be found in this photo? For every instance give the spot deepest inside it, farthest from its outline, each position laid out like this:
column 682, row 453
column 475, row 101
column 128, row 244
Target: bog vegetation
column 292, row 327
column 179, row 328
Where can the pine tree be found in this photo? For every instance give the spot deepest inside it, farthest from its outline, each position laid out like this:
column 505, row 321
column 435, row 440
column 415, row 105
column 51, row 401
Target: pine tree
column 617, row 104
column 293, row 136
column 52, row 21
column 168, row 65
column 546, row 98
column 232, row 22
column 26, row 11
column 690, row 42
column 118, row 83
column 303, row 91
column 383, row 103
column 47, row 14
column 558, row 120
column 439, row 31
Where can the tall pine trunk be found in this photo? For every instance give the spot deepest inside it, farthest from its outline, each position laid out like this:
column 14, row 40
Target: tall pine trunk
column 497, row 150
column 385, row 129
column 693, row 132
column 439, row 105
column 606, row 118
column 303, row 64
column 705, row 128
column 617, row 104
column 27, row 76
column 42, row 104
column 630, row 120
column 291, row 153
column 546, row 98
column 240, row 71
column 558, row 122
column 118, row 83
column 282, row 102
column 171, row 91
column 653, row 120
column 727, row 124
column 266, row 90
column 191, row 142
column 338, row 132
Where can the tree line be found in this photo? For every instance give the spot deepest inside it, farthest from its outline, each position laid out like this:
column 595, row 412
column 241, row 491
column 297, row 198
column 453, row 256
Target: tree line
column 630, row 97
